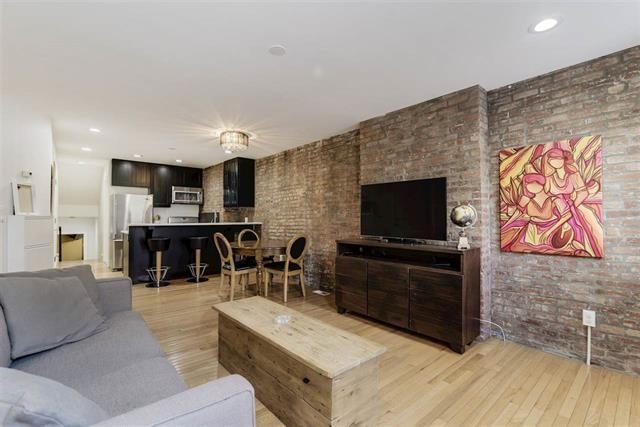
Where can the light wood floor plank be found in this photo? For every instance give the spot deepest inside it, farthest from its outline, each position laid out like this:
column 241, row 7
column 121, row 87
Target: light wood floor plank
column 421, row 382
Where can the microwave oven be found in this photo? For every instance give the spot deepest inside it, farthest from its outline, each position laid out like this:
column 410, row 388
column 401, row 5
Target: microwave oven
column 186, row 195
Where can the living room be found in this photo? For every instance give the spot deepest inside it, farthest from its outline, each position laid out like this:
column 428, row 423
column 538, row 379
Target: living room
column 365, row 223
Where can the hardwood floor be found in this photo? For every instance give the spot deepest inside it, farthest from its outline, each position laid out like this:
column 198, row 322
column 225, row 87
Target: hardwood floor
column 421, row 382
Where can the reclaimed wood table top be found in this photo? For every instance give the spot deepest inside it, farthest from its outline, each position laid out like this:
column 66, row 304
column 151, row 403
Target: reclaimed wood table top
column 328, row 350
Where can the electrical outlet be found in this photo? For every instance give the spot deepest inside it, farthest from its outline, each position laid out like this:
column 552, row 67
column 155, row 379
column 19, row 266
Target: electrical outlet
column 589, row 318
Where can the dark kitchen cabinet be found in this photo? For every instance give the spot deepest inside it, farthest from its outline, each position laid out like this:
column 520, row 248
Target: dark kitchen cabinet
column 127, row 173
column 187, row 177
column 239, row 183
column 161, row 188
column 193, row 177
column 158, row 179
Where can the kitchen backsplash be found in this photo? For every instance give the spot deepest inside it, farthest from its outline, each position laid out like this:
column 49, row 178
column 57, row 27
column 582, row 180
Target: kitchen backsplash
column 175, row 210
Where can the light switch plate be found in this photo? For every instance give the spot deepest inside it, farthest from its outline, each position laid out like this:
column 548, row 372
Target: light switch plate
column 589, row 318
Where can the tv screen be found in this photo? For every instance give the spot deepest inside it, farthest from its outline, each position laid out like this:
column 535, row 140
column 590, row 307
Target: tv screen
column 406, row 209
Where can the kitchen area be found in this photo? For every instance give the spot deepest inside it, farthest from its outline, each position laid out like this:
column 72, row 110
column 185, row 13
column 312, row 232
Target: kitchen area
column 171, row 208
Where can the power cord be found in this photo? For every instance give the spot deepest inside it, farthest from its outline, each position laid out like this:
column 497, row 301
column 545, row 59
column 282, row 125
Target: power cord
column 504, row 337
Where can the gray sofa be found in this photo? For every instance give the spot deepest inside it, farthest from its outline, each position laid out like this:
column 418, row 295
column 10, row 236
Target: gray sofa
column 124, row 370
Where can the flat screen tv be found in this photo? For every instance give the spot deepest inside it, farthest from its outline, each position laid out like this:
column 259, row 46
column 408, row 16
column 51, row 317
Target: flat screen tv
column 405, row 209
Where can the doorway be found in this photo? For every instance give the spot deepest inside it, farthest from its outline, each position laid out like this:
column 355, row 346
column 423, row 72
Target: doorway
column 71, row 247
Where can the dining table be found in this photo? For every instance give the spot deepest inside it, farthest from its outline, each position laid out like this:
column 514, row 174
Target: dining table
column 260, row 250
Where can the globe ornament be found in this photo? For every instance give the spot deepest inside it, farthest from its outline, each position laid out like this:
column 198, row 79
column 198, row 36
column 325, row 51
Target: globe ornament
column 463, row 216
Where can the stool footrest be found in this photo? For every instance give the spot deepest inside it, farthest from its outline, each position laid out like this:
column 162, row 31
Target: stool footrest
column 197, row 274
column 153, row 273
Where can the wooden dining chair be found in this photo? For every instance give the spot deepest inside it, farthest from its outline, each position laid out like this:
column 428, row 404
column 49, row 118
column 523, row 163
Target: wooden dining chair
column 292, row 266
column 229, row 267
column 248, row 238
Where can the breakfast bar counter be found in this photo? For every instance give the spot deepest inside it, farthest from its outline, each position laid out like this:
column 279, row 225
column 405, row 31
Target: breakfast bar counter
column 138, row 257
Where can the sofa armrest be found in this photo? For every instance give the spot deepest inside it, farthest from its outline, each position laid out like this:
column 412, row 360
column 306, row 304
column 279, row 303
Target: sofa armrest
column 115, row 294
column 228, row 401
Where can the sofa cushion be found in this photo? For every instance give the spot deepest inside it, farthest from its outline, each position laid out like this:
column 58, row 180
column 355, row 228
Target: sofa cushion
column 82, row 272
column 5, row 344
column 46, row 313
column 138, row 384
column 30, row 400
column 125, row 340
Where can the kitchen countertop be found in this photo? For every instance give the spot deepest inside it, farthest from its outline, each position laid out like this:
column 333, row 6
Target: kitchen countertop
column 164, row 224
column 188, row 224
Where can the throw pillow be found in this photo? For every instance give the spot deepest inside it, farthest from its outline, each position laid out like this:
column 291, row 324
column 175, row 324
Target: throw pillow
column 46, row 313
column 31, row 400
column 5, row 343
column 82, row 272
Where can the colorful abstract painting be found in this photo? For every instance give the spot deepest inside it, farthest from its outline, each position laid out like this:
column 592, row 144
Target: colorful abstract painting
column 551, row 198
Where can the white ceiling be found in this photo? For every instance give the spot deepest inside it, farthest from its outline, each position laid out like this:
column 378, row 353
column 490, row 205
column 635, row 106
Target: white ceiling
column 159, row 75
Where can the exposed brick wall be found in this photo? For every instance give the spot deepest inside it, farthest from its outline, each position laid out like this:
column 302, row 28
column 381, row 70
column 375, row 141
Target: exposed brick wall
column 312, row 189
column 442, row 137
column 213, row 188
column 315, row 188
column 539, row 299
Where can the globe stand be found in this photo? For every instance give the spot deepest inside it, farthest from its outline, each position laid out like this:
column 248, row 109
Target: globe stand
column 463, row 241
column 463, row 216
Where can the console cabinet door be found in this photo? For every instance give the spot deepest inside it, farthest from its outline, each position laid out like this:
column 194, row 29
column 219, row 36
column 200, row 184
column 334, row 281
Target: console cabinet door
column 351, row 284
column 388, row 293
column 436, row 305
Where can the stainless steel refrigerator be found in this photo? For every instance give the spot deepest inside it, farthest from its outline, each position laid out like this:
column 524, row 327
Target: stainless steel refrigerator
column 126, row 209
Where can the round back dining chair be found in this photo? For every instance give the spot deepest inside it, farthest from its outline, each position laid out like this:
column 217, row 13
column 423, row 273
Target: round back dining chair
column 292, row 266
column 248, row 238
column 228, row 266
column 224, row 249
column 297, row 248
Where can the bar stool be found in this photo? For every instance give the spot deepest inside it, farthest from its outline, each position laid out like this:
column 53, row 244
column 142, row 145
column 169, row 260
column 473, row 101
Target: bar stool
column 158, row 272
column 197, row 269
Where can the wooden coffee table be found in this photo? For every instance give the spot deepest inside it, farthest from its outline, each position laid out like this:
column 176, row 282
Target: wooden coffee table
column 305, row 371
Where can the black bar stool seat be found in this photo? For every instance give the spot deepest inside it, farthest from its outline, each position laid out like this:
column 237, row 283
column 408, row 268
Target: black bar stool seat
column 197, row 244
column 157, row 273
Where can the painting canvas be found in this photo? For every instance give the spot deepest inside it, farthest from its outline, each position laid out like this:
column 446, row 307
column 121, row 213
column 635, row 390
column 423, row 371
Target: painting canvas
column 551, row 198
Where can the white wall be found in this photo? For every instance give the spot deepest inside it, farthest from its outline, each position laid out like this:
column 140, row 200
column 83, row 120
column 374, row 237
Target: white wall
column 85, row 226
column 27, row 144
column 79, row 211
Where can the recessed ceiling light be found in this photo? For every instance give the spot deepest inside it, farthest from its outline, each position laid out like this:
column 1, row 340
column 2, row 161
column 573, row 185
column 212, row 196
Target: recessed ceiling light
column 94, row 130
column 178, row 161
column 137, row 156
column 172, row 148
column 81, row 162
column 277, row 50
column 545, row 25
column 87, row 149
column 227, row 151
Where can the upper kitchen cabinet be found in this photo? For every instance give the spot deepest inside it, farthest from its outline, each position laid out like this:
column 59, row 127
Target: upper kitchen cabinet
column 127, row 173
column 187, row 177
column 239, row 183
column 158, row 179
column 161, row 188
